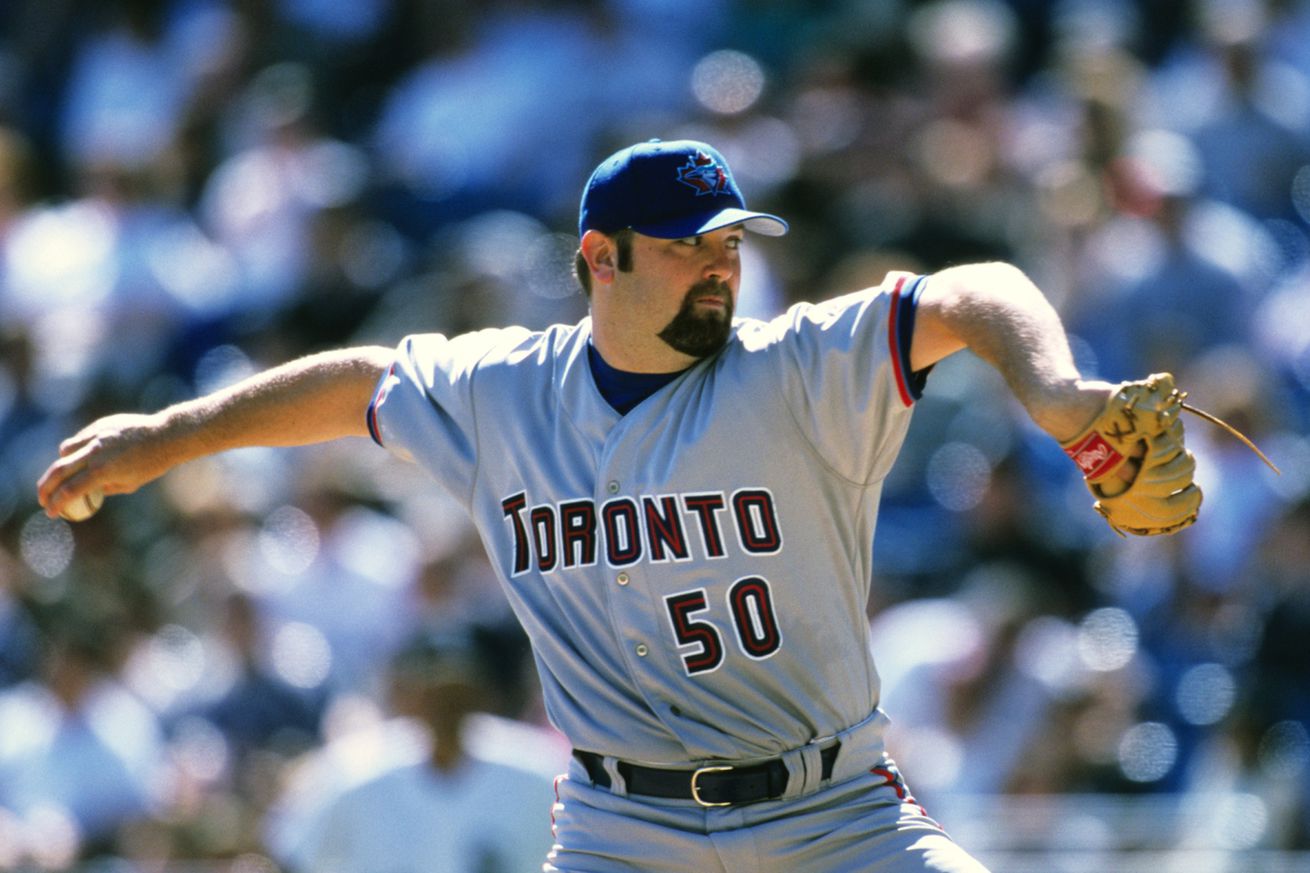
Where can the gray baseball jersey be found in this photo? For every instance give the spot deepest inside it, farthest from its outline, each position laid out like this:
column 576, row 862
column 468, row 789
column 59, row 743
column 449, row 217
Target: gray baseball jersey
column 693, row 574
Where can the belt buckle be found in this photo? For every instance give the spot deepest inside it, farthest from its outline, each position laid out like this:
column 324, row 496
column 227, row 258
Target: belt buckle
column 695, row 788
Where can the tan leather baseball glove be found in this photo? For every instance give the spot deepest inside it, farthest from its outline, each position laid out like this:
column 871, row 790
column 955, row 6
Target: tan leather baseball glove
column 1140, row 423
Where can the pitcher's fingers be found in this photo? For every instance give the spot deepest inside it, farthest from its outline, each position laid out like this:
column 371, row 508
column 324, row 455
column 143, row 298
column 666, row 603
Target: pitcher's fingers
column 76, row 441
column 58, row 484
column 72, row 489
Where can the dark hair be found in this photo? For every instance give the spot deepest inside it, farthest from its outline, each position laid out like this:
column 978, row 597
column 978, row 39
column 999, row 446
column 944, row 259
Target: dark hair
column 622, row 241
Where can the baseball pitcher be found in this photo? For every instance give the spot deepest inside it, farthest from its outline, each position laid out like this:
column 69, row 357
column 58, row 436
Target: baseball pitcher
column 697, row 616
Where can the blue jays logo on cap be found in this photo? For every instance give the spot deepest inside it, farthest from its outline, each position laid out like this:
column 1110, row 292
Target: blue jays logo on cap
column 668, row 190
column 704, row 174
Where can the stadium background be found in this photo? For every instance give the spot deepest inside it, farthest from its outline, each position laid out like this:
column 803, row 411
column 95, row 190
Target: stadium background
column 193, row 190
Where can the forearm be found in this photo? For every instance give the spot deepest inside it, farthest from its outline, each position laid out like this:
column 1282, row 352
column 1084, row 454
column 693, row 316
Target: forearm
column 998, row 313
column 310, row 400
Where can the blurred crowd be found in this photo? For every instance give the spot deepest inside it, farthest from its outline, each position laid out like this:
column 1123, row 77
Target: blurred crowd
column 299, row 659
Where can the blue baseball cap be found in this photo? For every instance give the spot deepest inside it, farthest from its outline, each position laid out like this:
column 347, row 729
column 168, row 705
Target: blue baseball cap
column 668, row 190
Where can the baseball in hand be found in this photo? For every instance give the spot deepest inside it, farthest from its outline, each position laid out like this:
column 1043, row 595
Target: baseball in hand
column 83, row 507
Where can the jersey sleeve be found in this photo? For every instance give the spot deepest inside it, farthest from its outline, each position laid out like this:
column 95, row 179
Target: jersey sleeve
column 423, row 409
column 845, row 374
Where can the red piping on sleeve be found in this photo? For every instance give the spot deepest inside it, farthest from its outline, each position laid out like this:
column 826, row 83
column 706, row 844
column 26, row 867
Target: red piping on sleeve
column 893, row 319
column 371, row 417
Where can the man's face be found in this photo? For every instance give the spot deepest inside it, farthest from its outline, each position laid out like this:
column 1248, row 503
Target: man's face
column 686, row 289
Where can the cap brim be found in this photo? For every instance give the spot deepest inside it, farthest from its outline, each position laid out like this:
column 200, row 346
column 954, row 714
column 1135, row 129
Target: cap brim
column 757, row 222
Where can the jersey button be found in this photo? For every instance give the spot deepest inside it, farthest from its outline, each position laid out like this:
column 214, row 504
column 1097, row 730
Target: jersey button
column 622, row 579
column 614, row 486
column 642, row 651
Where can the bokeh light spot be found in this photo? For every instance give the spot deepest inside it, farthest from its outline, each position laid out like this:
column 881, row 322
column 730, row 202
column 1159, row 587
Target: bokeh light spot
column 220, row 367
column 10, row 840
column 954, row 154
column 1284, row 750
column 253, row 863
column 727, row 82
column 1205, row 694
column 1046, row 649
column 372, row 254
column 53, row 837
column 548, row 266
column 46, row 545
column 301, row 655
column 289, row 540
column 958, row 475
column 1107, row 639
column 200, row 749
column 177, row 658
column 1147, row 752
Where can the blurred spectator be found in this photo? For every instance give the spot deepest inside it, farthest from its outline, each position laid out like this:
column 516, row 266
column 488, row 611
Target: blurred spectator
column 964, row 717
column 1242, row 490
column 127, row 90
column 1258, row 135
column 477, row 126
column 332, row 608
column 18, row 166
column 1282, row 568
column 454, row 808
column 260, row 709
column 80, row 757
column 19, row 639
column 264, row 202
column 1184, row 296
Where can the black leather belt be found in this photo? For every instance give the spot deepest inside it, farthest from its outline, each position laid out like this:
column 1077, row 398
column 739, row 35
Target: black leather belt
column 714, row 785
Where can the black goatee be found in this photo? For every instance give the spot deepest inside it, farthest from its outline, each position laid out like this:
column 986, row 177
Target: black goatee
column 700, row 335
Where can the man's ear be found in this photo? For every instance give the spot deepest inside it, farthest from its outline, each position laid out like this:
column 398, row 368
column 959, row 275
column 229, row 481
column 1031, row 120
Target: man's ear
column 601, row 255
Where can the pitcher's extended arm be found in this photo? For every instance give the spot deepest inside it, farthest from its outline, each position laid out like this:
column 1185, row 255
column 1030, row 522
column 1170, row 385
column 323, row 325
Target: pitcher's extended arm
column 310, row 400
